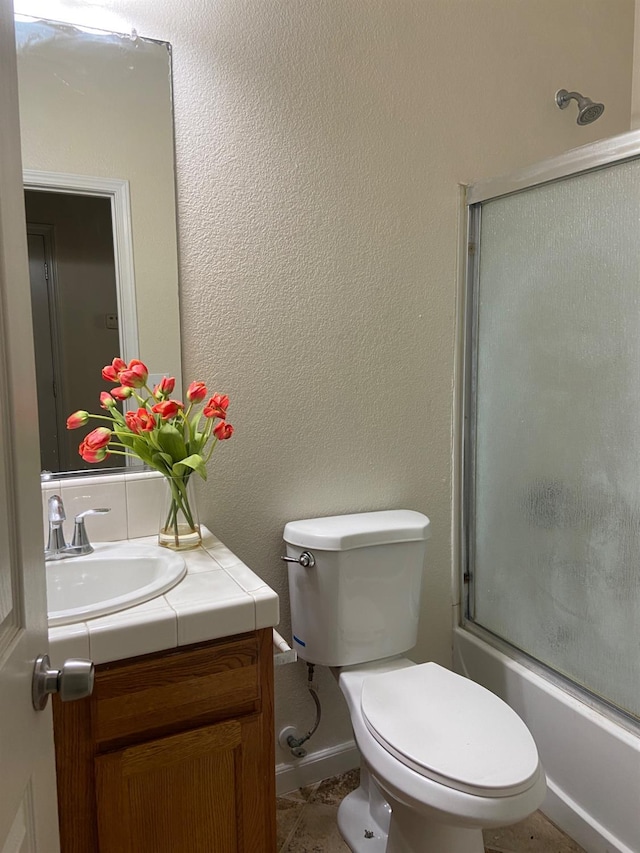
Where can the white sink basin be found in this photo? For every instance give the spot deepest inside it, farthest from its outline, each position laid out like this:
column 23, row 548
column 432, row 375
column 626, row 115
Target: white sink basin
column 114, row 577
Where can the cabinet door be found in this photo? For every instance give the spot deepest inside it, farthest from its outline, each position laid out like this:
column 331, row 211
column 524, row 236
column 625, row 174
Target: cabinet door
column 180, row 793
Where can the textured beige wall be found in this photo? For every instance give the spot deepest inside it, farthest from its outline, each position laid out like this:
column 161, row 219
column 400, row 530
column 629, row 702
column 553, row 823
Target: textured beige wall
column 320, row 146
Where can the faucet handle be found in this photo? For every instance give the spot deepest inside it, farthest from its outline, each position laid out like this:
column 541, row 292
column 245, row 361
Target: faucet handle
column 80, row 542
column 56, row 510
column 56, row 543
column 97, row 511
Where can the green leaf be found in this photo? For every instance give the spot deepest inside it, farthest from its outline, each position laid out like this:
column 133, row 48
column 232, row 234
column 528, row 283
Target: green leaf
column 195, row 420
column 193, row 462
column 125, row 436
column 199, row 440
column 171, row 441
column 142, row 450
column 163, row 462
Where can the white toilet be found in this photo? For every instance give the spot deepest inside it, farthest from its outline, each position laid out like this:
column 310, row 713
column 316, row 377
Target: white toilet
column 442, row 758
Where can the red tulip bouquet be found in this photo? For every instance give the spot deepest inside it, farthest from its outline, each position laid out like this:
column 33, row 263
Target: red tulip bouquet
column 163, row 433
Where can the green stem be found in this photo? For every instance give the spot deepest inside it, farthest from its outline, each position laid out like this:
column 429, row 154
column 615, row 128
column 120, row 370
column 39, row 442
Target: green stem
column 102, row 418
column 123, row 453
column 179, row 503
column 213, row 444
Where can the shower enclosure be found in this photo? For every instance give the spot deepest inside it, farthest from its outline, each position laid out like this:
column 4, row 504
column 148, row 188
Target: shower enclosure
column 551, row 470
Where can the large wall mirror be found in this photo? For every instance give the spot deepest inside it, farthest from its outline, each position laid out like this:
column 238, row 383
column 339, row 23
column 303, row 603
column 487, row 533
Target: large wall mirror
column 97, row 147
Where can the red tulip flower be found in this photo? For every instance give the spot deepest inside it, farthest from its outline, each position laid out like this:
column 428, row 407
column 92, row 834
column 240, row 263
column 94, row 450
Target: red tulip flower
column 111, row 371
column 106, row 400
column 164, row 387
column 91, row 455
column 196, row 392
column 140, row 421
column 77, row 419
column 159, row 432
column 216, row 407
column 223, row 430
column 167, row 409
column 135, row 376
column 121, row 393
column 94, row 446
column 97, row 438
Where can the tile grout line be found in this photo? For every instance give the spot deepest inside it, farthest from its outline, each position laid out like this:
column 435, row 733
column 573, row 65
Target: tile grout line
column 289, row 838
column 307, row 802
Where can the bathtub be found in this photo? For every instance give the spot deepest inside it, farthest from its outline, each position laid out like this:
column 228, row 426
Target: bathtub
column 592, row 763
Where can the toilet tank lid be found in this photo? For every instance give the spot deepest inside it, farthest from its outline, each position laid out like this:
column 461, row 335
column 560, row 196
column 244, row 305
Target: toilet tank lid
column 344, row 532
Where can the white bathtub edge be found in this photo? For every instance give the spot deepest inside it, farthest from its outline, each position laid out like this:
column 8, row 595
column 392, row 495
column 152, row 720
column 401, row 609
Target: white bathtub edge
column 560, row 808
column 561, row 725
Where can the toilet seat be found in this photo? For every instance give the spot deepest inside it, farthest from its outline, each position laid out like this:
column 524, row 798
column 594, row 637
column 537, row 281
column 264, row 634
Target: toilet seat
column 451, row 730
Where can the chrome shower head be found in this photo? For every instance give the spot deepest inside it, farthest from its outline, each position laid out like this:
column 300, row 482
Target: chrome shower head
column 588, row 111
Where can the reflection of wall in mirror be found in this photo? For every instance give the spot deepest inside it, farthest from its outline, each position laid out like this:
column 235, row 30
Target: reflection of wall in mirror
column 100, row 105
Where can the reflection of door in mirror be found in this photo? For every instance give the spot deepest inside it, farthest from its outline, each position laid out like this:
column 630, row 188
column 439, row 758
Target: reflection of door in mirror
column 75, row 314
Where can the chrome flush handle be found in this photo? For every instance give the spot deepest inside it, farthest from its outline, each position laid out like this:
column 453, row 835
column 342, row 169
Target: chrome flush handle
column 306, row 560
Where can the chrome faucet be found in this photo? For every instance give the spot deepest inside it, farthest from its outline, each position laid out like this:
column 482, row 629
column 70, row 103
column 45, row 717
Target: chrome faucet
column 57, row 548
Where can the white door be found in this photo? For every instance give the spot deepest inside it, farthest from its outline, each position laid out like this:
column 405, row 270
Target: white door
column 28, row 816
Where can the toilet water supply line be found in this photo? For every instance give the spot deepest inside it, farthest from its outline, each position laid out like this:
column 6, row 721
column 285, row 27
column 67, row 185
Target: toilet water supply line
column 295, row 743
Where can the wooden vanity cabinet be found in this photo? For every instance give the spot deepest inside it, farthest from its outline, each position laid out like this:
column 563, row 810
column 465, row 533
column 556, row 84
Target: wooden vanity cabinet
column 172, row 753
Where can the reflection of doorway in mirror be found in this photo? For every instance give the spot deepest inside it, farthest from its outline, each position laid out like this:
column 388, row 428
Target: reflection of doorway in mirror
column 75, row 314
column 46, row 350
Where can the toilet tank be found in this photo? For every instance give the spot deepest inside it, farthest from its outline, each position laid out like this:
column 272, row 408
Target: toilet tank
column 360, row 601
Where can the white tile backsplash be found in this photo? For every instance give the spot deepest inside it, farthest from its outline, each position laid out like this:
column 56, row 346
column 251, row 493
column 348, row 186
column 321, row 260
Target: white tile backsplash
column 133, row 501
column 144, row 502
column 108, row 493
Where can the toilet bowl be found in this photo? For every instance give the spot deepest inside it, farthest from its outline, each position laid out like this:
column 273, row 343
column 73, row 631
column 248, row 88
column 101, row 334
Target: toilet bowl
column 442, row 757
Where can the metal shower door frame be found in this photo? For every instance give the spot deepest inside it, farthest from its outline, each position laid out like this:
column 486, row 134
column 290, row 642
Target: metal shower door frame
column 588, row 158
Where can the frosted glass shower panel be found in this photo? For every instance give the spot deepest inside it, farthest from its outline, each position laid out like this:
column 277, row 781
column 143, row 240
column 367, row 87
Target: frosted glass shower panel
column 556, row 480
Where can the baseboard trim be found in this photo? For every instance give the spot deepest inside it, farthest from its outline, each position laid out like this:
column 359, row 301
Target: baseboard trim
column 316, row 766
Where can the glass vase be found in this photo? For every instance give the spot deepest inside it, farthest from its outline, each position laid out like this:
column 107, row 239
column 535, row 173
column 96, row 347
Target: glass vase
column 179, row 522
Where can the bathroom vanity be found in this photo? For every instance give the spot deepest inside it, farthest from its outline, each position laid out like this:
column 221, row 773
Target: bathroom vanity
column 174, row 749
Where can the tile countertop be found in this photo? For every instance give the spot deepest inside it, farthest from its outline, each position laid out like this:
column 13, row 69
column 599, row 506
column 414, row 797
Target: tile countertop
column 218, row 597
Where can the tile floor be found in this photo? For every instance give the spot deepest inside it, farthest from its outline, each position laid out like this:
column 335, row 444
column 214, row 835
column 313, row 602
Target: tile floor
column 307, row 824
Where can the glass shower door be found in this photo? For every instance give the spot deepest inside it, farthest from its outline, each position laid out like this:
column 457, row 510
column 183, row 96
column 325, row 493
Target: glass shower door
column 554, row 477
